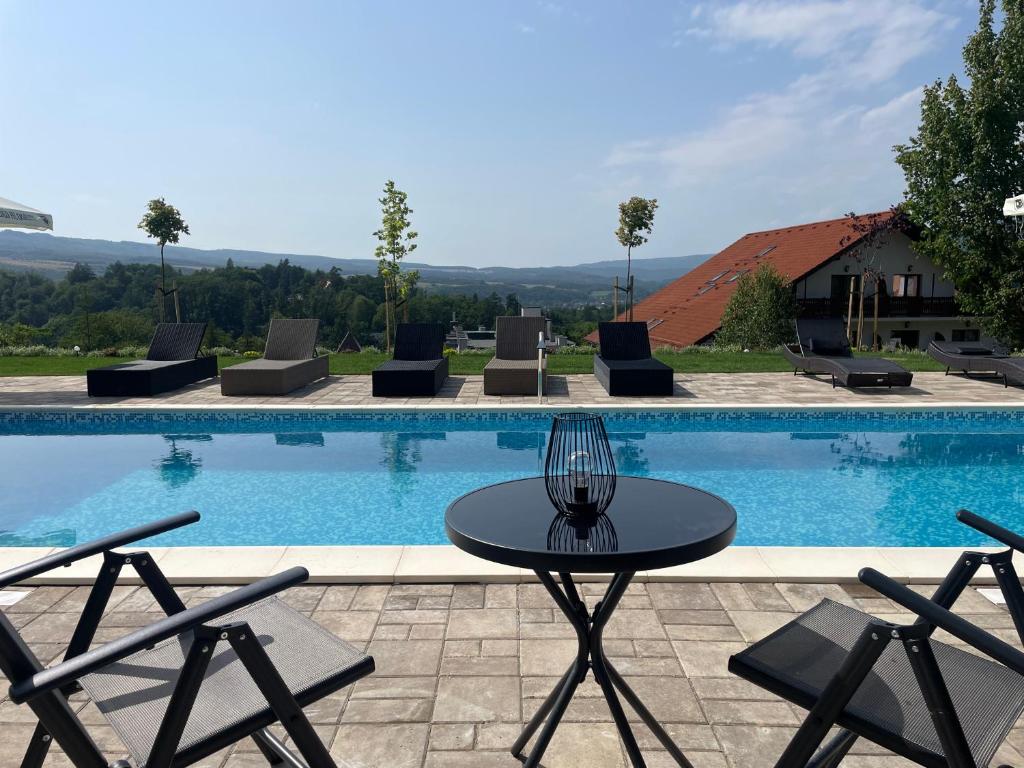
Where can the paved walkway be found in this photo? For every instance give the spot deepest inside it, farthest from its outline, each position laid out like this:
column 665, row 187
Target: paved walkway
column 691, row 390
column 461, row 666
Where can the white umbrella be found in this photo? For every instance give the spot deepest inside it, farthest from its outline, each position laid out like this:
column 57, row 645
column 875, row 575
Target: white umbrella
column 14, row 214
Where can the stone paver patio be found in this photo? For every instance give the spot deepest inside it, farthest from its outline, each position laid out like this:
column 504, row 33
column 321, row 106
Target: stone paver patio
column 460, row 666
column 691, row 390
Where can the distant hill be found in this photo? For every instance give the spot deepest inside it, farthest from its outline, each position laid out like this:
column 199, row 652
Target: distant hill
column 583, row 283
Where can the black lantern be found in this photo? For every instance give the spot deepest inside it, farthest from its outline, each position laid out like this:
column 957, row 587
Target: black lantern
column 582, row 534
column 579, row 470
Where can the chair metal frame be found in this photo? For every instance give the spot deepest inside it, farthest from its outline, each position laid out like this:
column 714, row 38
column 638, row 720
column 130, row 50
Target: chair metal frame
column 46, row 691
column 803, row 750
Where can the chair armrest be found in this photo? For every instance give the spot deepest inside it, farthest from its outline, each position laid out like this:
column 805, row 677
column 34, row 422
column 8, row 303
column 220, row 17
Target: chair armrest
column 90, row 548
column 938, row 616
column 77, row 667
column 997, row 532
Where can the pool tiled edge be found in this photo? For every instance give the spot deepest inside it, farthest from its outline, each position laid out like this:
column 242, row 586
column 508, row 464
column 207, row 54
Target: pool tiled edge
column 447, row 564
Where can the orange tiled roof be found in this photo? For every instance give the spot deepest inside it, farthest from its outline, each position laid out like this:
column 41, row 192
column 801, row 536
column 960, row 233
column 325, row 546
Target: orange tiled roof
column 689, row 309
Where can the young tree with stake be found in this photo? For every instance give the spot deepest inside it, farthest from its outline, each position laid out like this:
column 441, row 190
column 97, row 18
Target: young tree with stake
column 636, row 217
column 163, row 222
column 396, row 242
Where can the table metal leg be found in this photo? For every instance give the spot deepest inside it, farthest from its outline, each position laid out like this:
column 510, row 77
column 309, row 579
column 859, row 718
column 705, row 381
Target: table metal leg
column 590, row 655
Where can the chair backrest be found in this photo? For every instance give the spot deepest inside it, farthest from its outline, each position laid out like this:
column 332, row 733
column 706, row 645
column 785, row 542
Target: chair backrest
column 517, row 337
column 176, row 341
column 419, row 341
column 291, row 339
column 823, row 336
column 624, row 341
column 975, row 348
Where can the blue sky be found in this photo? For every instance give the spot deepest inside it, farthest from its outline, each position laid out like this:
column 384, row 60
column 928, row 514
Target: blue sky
column 515, row 127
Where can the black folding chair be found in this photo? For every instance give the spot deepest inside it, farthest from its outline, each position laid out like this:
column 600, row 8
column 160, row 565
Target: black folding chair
column 169, row 692
column 932, row 703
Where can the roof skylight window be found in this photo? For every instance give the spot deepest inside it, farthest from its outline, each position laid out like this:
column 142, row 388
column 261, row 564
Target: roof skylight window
column 765, row 252
column 716, row 277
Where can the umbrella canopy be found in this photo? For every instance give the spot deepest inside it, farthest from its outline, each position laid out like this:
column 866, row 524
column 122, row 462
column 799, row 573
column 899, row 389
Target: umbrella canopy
column 14, row 214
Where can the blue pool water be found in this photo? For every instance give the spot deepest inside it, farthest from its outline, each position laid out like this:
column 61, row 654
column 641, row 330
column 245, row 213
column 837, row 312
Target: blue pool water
column 809, row 478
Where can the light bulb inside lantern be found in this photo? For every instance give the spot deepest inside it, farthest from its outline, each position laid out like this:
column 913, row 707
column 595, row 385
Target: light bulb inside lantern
column 580, row 473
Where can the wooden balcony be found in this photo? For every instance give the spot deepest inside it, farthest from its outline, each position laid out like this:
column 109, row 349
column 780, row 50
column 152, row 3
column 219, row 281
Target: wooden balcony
column 888, row 306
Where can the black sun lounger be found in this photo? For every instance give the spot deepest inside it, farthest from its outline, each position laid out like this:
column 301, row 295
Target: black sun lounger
column 289, row 361
column 894, row 684
column 171, row 363
column 625, row 365
column 824, row 349
column 973, row 357
column 419, row 366
column 513, row 369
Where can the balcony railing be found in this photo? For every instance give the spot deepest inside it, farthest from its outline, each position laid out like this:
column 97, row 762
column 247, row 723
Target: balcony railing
column 888, row 306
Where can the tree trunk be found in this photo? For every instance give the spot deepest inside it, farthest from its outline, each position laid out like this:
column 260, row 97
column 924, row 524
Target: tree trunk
column 387, row 316
column 629, row 282
column 177, row 306
column 874, row 329
column 860, row 313
column 849, row 308
column 615, row 299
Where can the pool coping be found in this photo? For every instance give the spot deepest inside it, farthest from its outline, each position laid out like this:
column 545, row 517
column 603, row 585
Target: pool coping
column 447, row 564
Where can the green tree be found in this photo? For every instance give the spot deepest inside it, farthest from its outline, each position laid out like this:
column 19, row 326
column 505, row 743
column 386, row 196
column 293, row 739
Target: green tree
column 760, row 311
column 396, row 242
column 636, row 220
column 163, row 222
column 967, row 156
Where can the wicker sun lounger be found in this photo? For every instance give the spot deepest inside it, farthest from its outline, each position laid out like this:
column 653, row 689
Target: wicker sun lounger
column 289, row 361
column 973, row 357
column 625, row 365
column 172, row 362
column 513, row 369
column 893, row 684
column 419, row 366
column 187, row 684
column 824, row 349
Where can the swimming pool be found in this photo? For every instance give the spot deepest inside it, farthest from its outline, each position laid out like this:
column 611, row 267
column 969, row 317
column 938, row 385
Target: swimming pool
column 824, row 478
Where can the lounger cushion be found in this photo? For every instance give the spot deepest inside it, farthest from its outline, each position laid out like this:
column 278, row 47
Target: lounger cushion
column 272, row 377
column 133, row 694
column 144, row 378
column 512, row 377
column 409, row 378
column 797, row 661
column 634, row 378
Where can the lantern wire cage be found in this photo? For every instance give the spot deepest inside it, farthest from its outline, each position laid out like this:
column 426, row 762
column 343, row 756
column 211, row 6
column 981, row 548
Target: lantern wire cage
column 578, row 534
column 579, row 470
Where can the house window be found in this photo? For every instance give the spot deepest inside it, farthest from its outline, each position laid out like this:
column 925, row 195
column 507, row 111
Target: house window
column 966, row 334
column 907, row 338
column 905, row 286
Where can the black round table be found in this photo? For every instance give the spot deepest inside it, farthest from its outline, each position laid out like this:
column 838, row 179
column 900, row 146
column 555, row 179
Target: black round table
column 649, row 524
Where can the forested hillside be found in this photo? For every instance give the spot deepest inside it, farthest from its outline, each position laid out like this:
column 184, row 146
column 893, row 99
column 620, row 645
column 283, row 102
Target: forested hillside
column 118, row 307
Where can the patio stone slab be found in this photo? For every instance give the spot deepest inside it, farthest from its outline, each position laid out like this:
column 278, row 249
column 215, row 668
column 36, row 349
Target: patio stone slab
column 461, row 698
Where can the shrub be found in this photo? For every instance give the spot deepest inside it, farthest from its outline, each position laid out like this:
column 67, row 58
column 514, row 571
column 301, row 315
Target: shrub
column 251, row 353
column 760, row 311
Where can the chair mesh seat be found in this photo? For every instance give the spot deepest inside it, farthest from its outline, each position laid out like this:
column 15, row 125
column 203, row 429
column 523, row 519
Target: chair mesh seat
column 797, row 661
column 133, row 694
column 410, row 365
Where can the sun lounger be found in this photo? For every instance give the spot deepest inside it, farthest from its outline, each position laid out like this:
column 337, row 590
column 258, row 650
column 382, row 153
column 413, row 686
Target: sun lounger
column 893, row 684
column 172, row 362
column 186, row 685
column 289, row 361
column 419, row 366
column 513, row 369
column 625, row 366
column 973, row 357
column 824, row 349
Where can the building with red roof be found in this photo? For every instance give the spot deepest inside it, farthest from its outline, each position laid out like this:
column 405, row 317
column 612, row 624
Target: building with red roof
column 916, row 303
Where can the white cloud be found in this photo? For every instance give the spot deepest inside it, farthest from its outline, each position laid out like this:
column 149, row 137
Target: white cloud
column 866, row 39
column 526, row 29
column 823, row 141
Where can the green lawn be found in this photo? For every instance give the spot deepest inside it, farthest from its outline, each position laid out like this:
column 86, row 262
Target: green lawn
column 462, row 365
